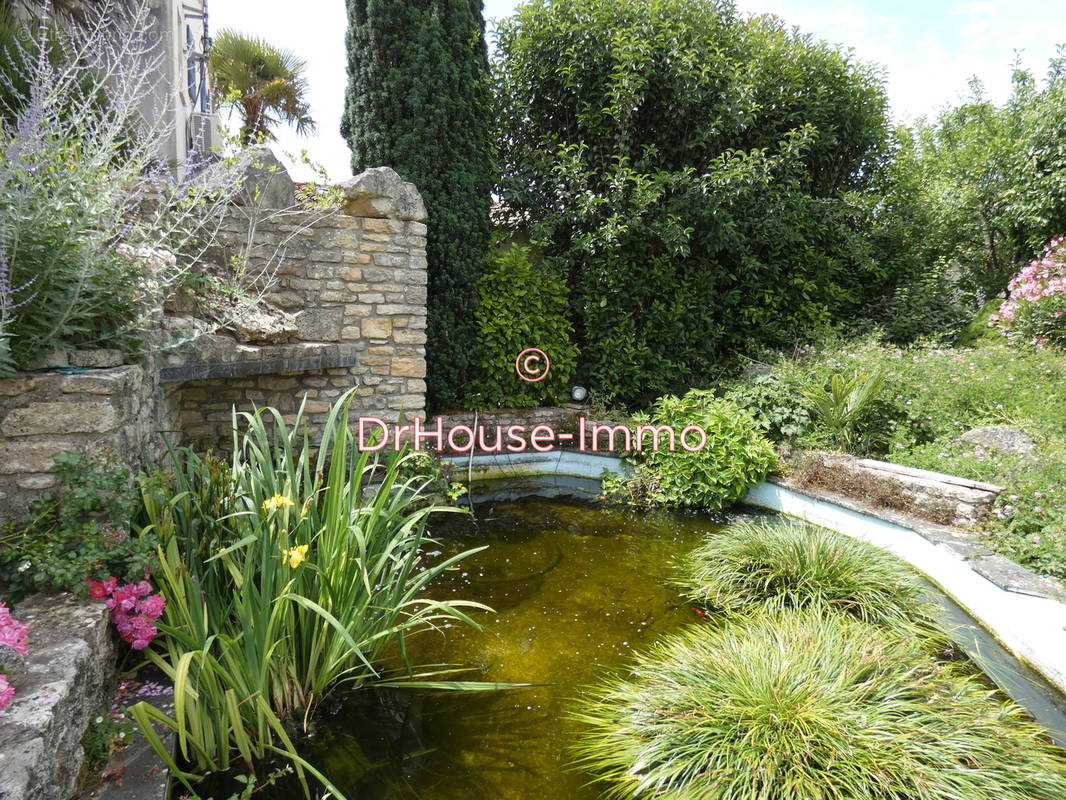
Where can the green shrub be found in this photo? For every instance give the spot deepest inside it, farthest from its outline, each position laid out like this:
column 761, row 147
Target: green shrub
column 522, row 305
column 736, row 455
column 787, row 565
column 76, row 532
column 286, row 576
column 840, row 403
column 981, row 329
column 777, row 405
column 929, row 305
column 802, row 705
column 689, row 170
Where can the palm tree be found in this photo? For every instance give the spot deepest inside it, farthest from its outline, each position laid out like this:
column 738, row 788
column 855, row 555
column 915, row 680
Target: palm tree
column 263, row 84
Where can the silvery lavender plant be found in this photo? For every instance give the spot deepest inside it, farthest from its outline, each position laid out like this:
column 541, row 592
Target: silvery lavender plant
column 83, row 191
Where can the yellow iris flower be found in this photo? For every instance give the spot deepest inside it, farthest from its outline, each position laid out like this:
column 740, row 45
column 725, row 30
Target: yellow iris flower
column 296, row 555
column 276, row 502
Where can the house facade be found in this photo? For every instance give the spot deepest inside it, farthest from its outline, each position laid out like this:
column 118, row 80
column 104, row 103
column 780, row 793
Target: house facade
column 183, row 93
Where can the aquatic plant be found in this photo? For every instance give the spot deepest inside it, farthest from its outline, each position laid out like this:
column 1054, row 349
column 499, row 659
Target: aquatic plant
column 800, row 704
column 286, row 575
column 785, row 564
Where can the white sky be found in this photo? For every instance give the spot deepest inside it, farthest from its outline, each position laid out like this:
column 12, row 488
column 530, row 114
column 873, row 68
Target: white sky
column 930, row 47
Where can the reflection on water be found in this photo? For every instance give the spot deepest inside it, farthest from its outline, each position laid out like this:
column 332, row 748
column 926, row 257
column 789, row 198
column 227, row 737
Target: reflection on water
column 576, row 588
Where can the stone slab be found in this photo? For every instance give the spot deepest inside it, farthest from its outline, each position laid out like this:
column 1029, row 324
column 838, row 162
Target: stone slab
column 69, row 672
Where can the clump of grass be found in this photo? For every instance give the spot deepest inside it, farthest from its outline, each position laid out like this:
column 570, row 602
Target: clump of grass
column 784, row 565
column 801, row 704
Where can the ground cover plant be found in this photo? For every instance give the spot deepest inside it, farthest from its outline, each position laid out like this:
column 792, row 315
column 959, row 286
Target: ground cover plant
column 77, row 532
column 712, row 473
column 931, row 395
column 286, row 574
column 809, row 705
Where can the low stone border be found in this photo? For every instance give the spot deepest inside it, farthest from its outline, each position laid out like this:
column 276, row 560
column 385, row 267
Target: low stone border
column 1006, row 574
column 932, row 496
column 1017, row 607
column 70, row 669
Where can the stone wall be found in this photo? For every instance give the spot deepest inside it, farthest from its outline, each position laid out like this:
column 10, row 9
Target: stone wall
column 932, row 496
column 66, row 682
column 355, row 282
column 42, row 414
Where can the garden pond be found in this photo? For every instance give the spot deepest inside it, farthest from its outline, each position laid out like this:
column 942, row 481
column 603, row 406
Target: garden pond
column 576, row 588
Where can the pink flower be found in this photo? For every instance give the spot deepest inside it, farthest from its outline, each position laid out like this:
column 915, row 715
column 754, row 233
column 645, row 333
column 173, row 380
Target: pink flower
column 133, row 609
column 7, row 692
column 152, row 607
column 13, row 633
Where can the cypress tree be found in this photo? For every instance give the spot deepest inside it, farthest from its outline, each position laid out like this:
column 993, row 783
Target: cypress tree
column 419, row 101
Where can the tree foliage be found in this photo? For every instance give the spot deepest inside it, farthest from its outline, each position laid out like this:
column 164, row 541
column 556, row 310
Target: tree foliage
column 994, row 178
column 264, row 85
column 690, row 172
column 419, row 101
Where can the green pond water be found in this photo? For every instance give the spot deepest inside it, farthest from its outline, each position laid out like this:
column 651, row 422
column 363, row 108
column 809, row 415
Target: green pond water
column 576, row 589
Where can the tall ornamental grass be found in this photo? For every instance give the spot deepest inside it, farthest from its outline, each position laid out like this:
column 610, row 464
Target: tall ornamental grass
column 800, row 704
column 788, row 565
column 287, row 574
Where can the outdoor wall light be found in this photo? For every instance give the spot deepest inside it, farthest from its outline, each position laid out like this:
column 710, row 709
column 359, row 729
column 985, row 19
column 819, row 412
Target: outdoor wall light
column 579, row 393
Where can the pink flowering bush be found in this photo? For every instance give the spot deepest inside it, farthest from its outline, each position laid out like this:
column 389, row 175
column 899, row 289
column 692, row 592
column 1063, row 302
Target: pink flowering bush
column 134, row 609
column 1036, row 310
column 15, row 635
column 7, row 692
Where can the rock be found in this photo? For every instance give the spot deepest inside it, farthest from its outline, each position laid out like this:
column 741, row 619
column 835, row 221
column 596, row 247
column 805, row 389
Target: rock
column 96, row 358
column 258, row 325
column 12, row 664
column 70, row 669
column 59, row 418
column 266, row 181
column 1001, row 438
column 320, row 324
column 381, row 193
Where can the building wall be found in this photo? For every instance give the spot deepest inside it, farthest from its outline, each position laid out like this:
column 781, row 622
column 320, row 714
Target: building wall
column 178, row 28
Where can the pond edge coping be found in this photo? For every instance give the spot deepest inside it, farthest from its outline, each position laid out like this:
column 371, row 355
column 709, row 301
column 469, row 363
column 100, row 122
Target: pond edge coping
column 1016, row 606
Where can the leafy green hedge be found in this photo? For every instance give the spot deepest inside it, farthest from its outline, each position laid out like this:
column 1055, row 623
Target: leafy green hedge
column 522, row 305
column 689, row 171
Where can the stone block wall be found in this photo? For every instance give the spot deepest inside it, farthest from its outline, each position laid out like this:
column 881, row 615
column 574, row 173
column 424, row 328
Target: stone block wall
column 355, row 281
column 67, row 681
column 43, row 414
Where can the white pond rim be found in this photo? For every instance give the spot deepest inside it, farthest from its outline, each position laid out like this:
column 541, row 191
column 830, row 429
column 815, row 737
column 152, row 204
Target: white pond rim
column 1032, row 628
